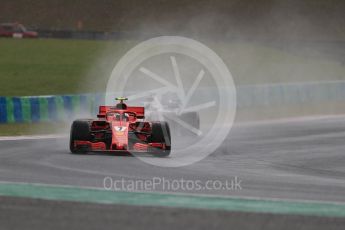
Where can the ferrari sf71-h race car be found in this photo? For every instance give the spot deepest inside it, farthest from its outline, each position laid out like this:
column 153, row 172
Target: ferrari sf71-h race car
column 120, row 128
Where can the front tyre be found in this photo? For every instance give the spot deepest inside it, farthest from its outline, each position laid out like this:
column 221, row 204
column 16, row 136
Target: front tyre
column 80, row 130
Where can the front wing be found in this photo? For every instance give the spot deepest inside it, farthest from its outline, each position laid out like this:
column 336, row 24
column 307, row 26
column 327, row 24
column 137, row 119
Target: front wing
column 101, row 147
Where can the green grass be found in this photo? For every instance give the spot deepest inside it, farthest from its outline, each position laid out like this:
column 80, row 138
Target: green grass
column 33, row 128
column 254, row 63
column 48, row 66
column 51, row 66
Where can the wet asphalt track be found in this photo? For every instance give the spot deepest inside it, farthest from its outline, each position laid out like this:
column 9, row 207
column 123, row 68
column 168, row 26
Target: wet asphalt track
column 23, row 213
column 301, row 159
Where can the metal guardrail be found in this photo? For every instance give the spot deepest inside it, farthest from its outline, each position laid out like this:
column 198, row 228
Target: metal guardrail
column 275, row 95
column 47, row 108
column 62, row 107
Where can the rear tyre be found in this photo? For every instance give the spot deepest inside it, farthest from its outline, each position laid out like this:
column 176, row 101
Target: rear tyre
column 161, row 134
column 80, row 130
column 191, row 118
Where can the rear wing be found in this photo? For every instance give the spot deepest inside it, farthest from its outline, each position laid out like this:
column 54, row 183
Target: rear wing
column 139, row 111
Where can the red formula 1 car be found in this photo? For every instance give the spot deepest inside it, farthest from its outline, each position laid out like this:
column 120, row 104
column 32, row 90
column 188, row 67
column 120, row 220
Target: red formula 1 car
column 120, row 128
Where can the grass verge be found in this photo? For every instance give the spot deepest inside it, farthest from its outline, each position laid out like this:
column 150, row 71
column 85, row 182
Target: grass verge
column 33, row 128
column 52, row 66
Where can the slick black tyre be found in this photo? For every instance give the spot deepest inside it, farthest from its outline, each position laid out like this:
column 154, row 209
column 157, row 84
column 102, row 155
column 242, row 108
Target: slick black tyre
column 191, row 118
column 80, row 130
column 161, row 134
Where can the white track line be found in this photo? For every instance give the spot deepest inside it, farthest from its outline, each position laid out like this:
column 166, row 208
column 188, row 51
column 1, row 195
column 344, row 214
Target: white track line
column 33, row 137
